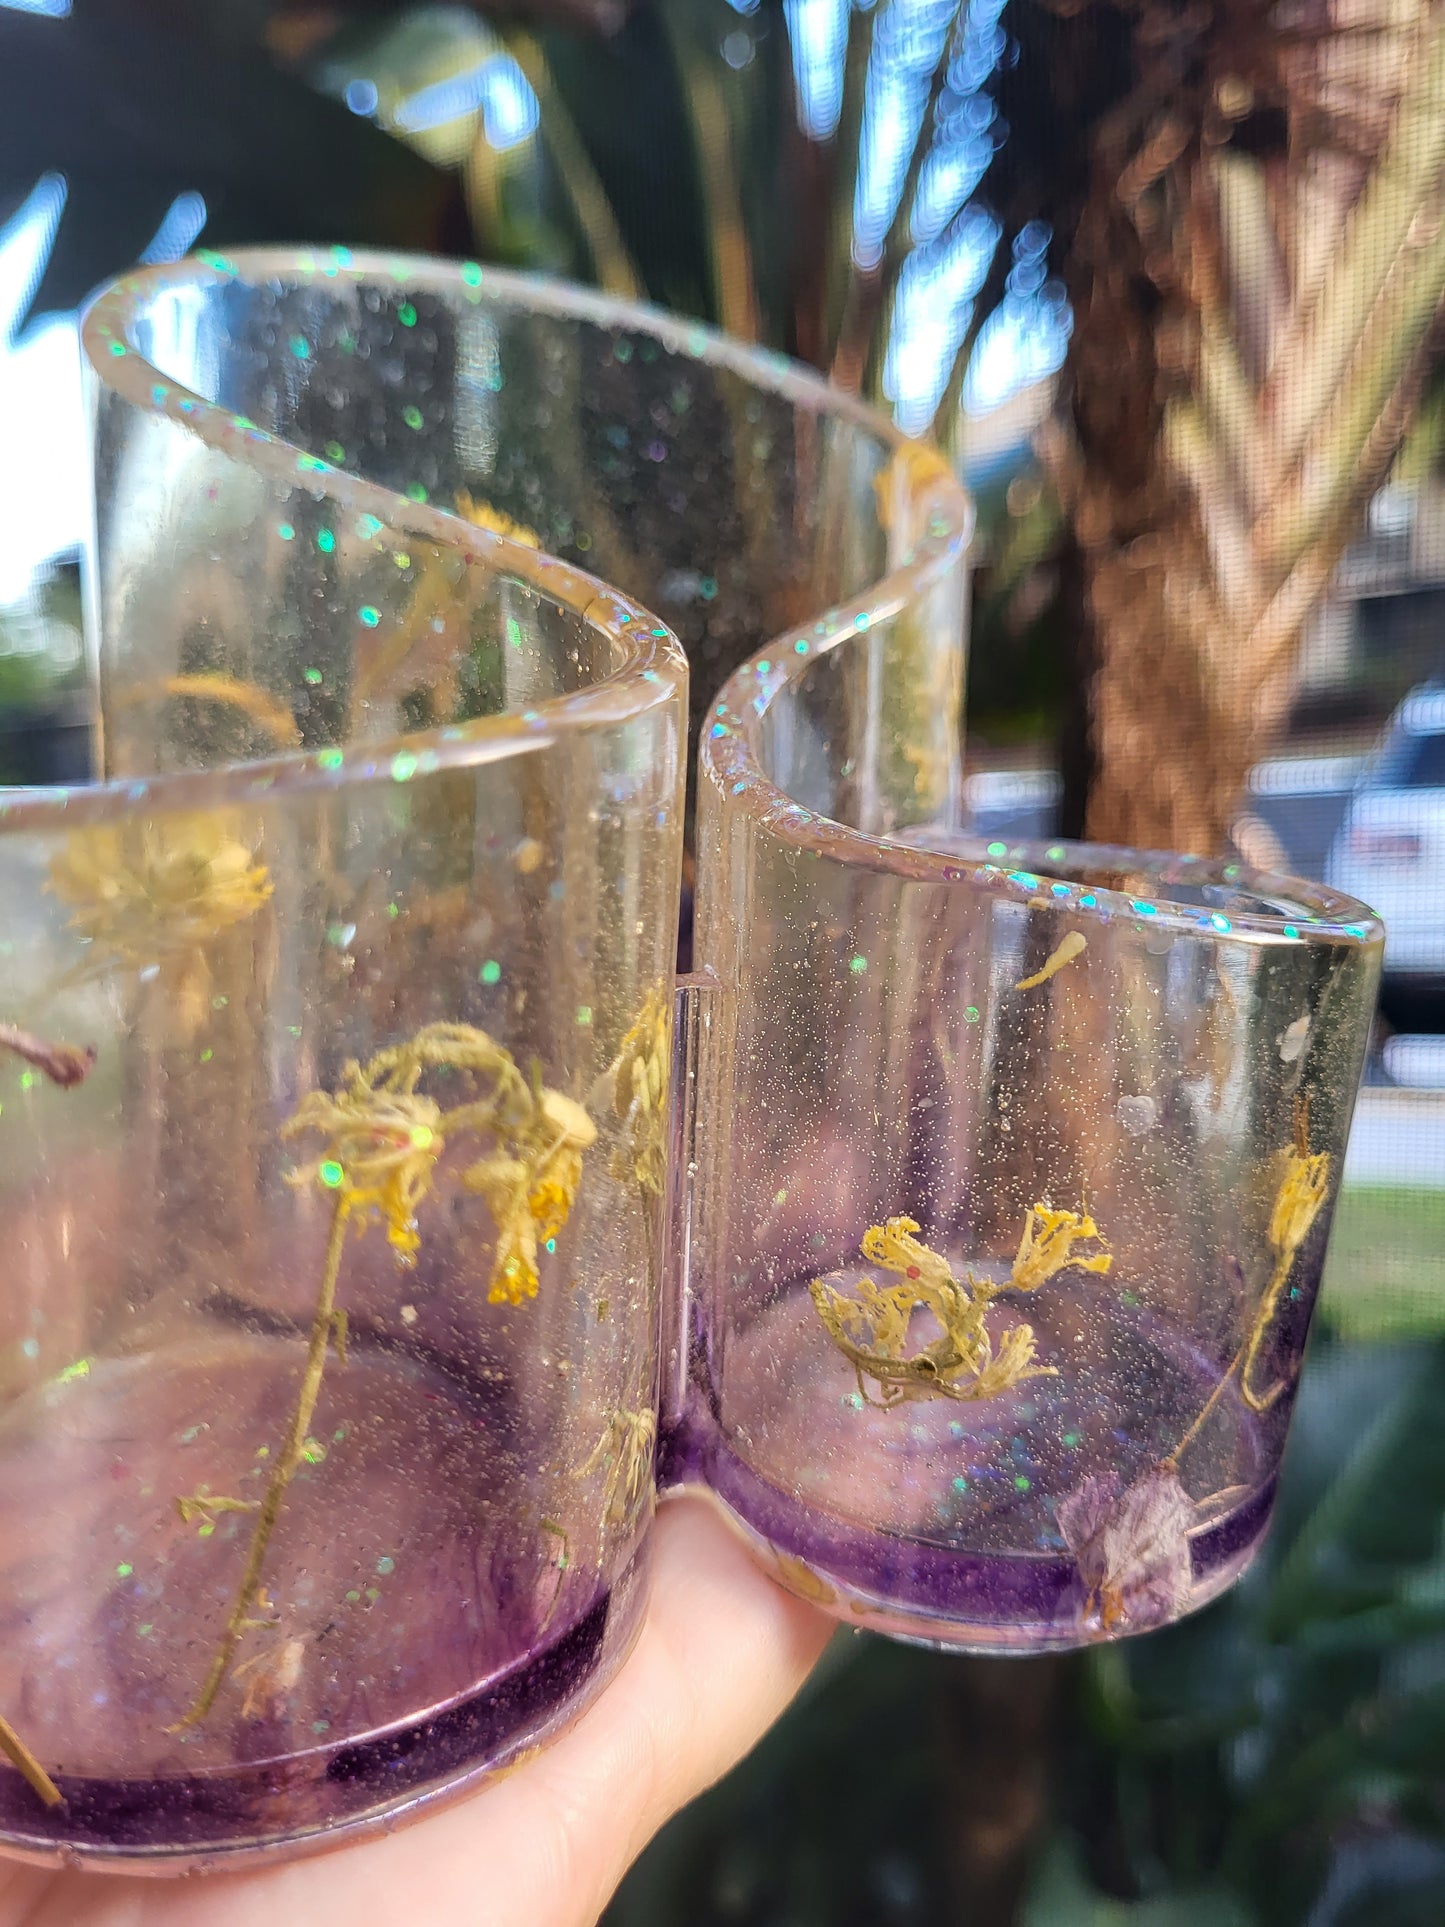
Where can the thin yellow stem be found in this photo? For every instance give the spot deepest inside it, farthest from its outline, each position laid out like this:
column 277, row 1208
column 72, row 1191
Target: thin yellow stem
column 322, row 1325
column 1256, row 1401
column 1206, row 1409
column 19, row 1753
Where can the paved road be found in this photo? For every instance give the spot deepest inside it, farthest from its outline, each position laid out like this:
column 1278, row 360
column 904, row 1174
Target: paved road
column 1398, row 1137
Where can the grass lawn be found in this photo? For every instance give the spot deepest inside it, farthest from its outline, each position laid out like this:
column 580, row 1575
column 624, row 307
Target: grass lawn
column 1386, row 1272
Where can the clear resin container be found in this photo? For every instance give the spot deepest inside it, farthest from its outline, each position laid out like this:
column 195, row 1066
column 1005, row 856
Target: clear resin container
column 332, row 1107
column 376, row 1233
column 1015, row 1170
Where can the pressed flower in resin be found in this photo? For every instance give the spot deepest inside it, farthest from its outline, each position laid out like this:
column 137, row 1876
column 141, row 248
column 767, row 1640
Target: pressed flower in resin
column 965, row 1363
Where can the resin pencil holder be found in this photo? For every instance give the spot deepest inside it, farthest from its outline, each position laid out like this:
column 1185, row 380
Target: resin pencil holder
column 376, row 1239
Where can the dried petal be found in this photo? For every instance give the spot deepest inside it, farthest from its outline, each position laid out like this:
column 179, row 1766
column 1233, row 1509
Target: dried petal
column 1131, row 1548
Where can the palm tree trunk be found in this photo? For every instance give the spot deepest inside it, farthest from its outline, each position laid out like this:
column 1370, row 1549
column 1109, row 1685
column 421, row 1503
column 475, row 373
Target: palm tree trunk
column 1238, row 393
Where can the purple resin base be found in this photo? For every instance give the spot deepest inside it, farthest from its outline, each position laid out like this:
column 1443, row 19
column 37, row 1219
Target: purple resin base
column 969, row 1603
column 189, row 1824
column 427, row 1631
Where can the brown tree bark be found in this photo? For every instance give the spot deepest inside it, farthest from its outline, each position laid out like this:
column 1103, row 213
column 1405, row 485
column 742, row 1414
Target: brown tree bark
column 1255, row 279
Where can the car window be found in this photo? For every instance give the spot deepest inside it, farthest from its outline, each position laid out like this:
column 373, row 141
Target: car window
column 1411, row 760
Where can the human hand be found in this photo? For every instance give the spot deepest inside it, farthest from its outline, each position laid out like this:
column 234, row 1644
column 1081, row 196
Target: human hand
column 721, row 1652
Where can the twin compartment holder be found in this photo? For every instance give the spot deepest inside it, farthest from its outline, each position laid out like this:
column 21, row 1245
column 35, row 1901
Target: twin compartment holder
column 386, row 1221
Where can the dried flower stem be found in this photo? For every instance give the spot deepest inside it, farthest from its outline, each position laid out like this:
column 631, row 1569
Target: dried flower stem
column 15, row 1750
column 321, row 1329
column 384, row 1138
column 63, row 1064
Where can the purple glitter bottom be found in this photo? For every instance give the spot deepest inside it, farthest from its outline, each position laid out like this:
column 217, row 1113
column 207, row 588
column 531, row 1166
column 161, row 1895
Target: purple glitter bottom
column 424, row 1620
column 205, row 1818
column 971, row 1602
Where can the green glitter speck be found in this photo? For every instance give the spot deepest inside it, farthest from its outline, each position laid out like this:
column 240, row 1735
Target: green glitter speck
column 411, row 415
column 514, row 632
column 285, row 531
column 331, row 1174
column 320, row 1726
column 313, row 1451
column 471, row 274
column 1021, row 1483
column 28, row 1080
column 207, row 1055
column 124, row 1570
column 80, row 1369
column 301, row 347
column 335, row 452
column 369, row 615
column 205, row 1531
column 117, row 348
column 330, row 758
column 313, row 676
column 960, row 1484
column 857, row 965
column 326, row 540
column 415, row 492
column 403, row 767
column 406, row 315
column 1071, row 1439
column 393, row 909
column 352, row 1597
column 147, row 1629
column 970, row 1015
column 386, row 1565
column 584, row 1013
column 491, row 971
column 998, row 849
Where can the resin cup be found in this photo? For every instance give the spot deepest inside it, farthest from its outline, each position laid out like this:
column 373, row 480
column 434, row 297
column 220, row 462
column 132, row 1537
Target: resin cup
column 1107, row 1096
column 371, row 930
column 329, row 1344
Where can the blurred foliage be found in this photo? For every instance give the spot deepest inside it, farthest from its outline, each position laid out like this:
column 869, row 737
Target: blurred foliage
column 1383, row 1279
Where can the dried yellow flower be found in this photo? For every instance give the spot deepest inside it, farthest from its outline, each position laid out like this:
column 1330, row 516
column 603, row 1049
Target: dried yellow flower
column 530, row 1184
column 1047, row 1246
column 872, row 1329
column 382, row 1140
column 483, row 516
column 1303, row 1188
column 170, row 883
column 1299, row 1197
column 625, row 1448
column 381, row 1151
column 638, row 1076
